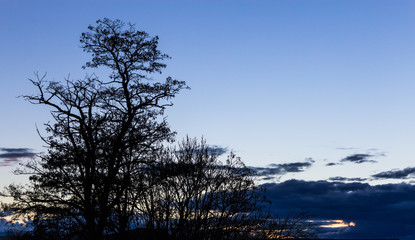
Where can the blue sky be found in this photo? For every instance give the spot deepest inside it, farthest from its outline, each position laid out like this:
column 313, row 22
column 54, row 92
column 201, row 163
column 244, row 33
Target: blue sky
column 313, row 90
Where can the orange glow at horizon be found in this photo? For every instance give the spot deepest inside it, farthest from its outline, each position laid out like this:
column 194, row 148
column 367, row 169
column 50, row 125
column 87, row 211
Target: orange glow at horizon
column 337, row 224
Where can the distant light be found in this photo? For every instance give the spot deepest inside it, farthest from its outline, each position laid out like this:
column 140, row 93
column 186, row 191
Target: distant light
column 336, row 224
column 12, row 219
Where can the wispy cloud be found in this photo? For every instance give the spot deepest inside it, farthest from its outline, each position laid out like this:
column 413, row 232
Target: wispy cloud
column 359, row 158
column 218, row 150
column 332, row 164
column 346, row 148
column 11, row 156
column 283, row 168
column 345, row 179
column 396, row 174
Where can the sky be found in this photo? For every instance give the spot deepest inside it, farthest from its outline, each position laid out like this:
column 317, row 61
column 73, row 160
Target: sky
column 318, row 96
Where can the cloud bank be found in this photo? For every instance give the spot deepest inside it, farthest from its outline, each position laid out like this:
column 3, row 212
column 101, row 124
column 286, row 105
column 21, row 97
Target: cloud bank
column 381, row 211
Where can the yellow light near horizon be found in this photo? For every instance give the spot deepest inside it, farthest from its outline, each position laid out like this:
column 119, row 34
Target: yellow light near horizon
column 11, row 219
column 337, row 224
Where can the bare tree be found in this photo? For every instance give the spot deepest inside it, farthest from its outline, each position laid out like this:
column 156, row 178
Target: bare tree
column 296, row 225
column 192, row 194
column 100, row 136
column 106, row 171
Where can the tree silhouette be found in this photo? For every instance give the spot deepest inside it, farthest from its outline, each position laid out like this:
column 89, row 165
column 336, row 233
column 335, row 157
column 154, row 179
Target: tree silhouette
column 192, row 194
column 102, row 132
column 196, row 196
column 106, row 173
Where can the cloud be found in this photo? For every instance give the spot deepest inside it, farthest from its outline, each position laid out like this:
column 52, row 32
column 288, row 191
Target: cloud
column 380, row 211
column 332, row 164
column 281, row 169
column 346, row 148
column 396, row 174
column 218, row 149
column 345, row 179
column 11, row 156
column 211, row 149
column 359, row 158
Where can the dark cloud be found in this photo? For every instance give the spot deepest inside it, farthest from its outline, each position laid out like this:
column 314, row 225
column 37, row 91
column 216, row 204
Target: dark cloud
column 332, row 164
column 280, row 169
column 380, row 211
column 218, row 149
column 212, row 149
column 345, row 179
column 11, row 156
column 268, row 178
column 396, row 174
column 359, row 158
column 15, row 150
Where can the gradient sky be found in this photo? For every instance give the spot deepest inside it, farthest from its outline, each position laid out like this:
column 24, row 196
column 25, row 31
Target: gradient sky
column 317, row 90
